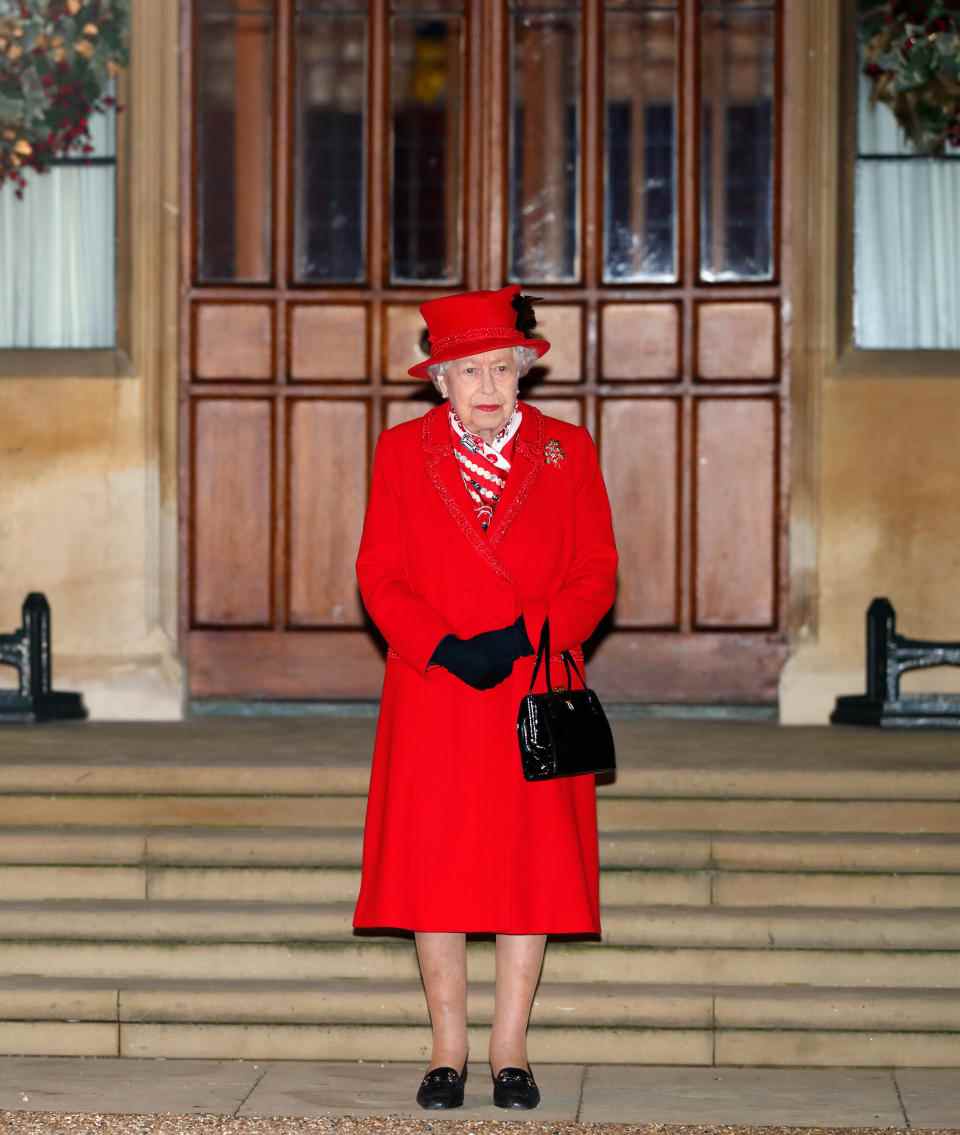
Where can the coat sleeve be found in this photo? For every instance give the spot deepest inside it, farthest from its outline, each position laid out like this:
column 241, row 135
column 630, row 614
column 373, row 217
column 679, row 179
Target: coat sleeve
column 405, row 619
column 589, row 588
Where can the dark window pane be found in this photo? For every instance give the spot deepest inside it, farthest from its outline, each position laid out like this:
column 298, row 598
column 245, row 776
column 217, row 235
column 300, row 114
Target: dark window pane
column 426, row 183
column 544, row 149
column 331, row 45
column 641, row 153
column 737, row 54
column 234, row 85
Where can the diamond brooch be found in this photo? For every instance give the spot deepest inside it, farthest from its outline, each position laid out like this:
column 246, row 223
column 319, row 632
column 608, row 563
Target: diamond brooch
column 553, row 452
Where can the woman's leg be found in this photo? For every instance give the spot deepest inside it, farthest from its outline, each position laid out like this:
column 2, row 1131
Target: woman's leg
column 519, row 961
column 443, row 967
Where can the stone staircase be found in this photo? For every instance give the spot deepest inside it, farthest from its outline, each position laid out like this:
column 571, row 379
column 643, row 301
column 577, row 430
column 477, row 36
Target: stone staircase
column 770, row 896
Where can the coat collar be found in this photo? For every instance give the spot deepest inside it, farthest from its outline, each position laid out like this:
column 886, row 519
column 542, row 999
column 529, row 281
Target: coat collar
column 444, row 473
column 435, row 435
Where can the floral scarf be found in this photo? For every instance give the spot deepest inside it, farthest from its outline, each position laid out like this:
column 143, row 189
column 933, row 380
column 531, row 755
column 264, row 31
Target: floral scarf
column 483, row 465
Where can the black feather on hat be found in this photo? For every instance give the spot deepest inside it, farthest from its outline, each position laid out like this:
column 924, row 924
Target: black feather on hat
column 526, row 317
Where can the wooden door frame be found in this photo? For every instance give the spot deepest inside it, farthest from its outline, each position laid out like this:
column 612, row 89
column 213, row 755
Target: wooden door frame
column 485, row 252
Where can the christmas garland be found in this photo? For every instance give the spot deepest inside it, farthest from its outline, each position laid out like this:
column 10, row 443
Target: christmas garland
column 911, row 50
column 56, row 60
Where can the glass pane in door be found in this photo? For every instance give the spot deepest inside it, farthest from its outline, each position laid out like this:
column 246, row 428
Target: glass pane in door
column 737, row 59
column 426, row 102
column 544, row 142
column 235, row 116
column 331, row 76
column 640, row 146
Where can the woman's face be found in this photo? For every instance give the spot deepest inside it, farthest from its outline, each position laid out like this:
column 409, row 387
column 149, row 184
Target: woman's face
column 482, row 389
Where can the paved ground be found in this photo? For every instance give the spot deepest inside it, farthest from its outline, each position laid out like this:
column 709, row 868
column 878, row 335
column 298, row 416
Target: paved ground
column 638, row 1096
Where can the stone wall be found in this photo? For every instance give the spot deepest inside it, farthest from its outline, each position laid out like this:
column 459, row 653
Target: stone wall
column 889, row 520
column 87, row 459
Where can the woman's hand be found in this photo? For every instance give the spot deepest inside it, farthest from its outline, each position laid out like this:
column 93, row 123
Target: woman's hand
column 485, row 659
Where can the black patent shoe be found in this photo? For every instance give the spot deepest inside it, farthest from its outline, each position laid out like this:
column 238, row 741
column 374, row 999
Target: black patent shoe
column 442, row 1087
column 515, row 1087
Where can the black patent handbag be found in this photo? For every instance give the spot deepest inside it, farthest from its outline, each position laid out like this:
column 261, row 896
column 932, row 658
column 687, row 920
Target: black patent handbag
column 563, row 732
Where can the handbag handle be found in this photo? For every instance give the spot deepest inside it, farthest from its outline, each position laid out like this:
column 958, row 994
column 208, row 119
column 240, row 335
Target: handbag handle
column 543, row 652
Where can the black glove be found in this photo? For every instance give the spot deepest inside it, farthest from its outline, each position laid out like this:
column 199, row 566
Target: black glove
column 485, row 659
column 507, row 644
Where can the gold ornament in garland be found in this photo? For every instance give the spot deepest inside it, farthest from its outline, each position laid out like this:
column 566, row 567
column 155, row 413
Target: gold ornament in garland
column 57, row 58
column 911, row 51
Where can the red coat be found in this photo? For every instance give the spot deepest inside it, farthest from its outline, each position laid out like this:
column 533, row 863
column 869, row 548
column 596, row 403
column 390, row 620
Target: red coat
column 455, row 838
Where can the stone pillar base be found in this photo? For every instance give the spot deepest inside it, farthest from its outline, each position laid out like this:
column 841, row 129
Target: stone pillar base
column 815, row 676
column 147, row 687
column 811, row 681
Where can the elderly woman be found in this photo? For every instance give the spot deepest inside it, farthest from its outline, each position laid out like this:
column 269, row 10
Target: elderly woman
column 486, row 517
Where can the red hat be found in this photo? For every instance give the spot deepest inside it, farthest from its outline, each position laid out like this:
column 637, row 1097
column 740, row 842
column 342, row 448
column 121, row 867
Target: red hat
column 471, row 322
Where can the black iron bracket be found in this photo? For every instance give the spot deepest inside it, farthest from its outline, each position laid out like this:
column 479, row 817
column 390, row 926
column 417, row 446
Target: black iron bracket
column 28, row 651
column 889, row 656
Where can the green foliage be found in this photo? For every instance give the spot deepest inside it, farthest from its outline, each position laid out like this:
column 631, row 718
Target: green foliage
column 57, row 58
column 911, row 50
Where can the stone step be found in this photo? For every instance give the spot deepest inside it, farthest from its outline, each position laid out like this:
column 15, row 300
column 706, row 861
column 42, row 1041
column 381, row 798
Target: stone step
column 151, row 861
column 330, row 755
column 839, row 851
column 560, row 1045
column 615, row 813
column 31, row 883
column 693, row 927
column 649, row 778
column 381, row 959
column 792, row 852
column 379, row 1020
column 828, row 889
column 639, row 887
column 358, row 1001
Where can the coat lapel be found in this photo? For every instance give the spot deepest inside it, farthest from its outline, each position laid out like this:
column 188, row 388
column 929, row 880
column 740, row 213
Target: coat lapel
column 444, row 474
column 524, row 470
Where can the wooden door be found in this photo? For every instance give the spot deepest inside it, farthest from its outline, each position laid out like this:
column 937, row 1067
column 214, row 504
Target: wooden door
column 347, row 160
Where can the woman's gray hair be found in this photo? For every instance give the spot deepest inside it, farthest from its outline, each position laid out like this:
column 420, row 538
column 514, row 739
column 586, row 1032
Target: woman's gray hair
column 525, row 356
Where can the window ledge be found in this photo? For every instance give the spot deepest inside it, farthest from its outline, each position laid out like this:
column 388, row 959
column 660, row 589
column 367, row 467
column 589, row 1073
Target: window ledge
column 858, row 362
column 56, row 363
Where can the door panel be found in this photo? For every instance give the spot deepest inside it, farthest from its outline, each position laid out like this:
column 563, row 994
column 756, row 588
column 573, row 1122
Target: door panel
column 234, row 342
column 566, row 409
column 562, row 325
column 736, row 342
column 735, row 512
column 347, row 161
column 328, row 486
column 644, row 490
column 397, row 411
column 403, row 324
column 232, row 512
column 640, row 342
column 328, row 343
